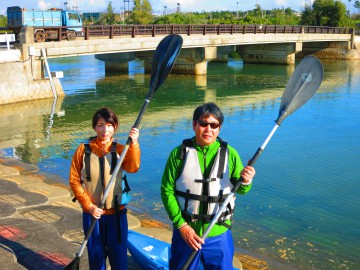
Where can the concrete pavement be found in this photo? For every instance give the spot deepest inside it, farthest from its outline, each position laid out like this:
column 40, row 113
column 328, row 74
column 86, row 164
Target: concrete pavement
column 40, row 226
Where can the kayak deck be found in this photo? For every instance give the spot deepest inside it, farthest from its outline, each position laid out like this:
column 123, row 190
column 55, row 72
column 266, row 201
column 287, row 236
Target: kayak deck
column 148, row 252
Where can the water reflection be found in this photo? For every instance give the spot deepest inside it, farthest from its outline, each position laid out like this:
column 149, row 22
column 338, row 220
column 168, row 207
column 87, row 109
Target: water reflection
column 297, row 210
column 26, row 127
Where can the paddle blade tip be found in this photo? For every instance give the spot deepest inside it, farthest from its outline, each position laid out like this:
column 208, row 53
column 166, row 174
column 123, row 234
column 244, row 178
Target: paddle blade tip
column 74, row 265
column 303, row 84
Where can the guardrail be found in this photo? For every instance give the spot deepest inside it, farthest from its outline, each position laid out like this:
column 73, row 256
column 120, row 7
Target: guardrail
column 114, row 31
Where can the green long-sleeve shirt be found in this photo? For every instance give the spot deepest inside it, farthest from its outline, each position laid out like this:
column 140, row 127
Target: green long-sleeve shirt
column 173, row 170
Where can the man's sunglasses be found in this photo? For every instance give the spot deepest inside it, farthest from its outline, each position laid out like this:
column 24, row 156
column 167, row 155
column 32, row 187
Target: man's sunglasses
column 205, row 124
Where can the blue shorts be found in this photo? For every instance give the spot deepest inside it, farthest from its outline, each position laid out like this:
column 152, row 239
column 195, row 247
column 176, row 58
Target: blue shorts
column 216, row 253
column 104, row 241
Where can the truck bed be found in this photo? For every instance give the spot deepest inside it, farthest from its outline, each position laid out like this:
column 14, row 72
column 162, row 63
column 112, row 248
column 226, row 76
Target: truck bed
column 18, row 17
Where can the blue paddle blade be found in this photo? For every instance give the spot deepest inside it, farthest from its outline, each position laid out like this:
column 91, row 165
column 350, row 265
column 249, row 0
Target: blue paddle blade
column 164, row 59
column 303, row 84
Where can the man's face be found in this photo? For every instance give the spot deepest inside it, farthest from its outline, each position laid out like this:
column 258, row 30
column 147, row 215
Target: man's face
column 206, row 130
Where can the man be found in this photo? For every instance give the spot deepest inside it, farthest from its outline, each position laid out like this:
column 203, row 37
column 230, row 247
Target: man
column 198, row 175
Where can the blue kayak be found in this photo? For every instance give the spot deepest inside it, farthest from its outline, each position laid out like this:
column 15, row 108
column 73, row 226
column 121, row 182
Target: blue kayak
column 148, row 252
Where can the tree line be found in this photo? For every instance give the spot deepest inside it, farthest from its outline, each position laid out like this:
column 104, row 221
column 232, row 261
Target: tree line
column 319, row 13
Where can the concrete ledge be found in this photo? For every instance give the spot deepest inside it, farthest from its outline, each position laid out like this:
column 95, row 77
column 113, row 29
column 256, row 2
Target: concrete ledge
column 6, row 171
column 8, row 56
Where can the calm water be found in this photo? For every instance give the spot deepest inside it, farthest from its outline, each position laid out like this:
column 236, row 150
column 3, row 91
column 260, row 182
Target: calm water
column 304, row 209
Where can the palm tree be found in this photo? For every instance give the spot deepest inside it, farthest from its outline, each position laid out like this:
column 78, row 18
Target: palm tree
column 357, row 5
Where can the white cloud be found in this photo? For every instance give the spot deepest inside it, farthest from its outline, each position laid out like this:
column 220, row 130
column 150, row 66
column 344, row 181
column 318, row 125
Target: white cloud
column 42, row 5
column 281, row 3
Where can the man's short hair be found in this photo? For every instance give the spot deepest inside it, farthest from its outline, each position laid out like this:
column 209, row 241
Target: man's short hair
column 206, row 110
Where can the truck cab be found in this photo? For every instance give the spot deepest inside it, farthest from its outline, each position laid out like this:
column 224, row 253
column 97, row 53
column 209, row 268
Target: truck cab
column 71, row 18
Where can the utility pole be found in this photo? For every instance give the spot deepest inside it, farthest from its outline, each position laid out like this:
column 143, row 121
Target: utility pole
column 126, row 1
column 237, row 10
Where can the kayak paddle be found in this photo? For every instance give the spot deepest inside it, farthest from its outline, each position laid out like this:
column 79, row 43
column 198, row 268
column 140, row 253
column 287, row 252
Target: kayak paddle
column 303, row 84
column 164, row 59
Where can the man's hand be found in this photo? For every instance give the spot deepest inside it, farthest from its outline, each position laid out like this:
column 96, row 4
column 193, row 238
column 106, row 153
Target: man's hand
column 247, row 174
column 191, row 238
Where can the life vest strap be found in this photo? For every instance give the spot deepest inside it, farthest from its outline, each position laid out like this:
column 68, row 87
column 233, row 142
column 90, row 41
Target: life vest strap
column 223, row 147
column 118, row 212
column 185, row 143
column 87, row 161
column 113, row 157
column 204, row 217
column 127, row 187
column 202, row 198
column 208, row 180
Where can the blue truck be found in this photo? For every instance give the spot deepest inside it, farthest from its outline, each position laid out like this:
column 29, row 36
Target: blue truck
column 46, row 23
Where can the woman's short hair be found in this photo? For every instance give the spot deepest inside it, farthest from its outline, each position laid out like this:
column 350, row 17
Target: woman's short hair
column 108, row 115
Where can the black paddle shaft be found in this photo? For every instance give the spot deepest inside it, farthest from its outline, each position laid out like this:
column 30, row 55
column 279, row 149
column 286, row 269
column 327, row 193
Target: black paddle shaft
column 303, row 84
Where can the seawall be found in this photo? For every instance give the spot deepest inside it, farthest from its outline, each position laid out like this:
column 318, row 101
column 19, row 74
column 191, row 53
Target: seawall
column 17, row 81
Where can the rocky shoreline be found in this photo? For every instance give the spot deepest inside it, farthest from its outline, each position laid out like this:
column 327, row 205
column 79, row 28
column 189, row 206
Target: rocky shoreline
column 41, row 228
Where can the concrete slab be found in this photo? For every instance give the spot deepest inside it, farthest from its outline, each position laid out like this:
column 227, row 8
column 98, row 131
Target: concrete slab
column 4, row 171
column 35, row 183
column 19, row 165
column 161, row 234
column 7, row 210
column 8, row 256
column 133, row 222
column 60, row 218
column 12, row 195
column 37, row 245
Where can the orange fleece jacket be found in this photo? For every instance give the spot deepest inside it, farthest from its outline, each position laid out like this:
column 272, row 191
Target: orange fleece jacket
column 131, row 164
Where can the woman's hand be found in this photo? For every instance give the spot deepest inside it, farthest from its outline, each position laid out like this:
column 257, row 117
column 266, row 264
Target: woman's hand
column 95, row 211
column 191, row 238
column 134, row 135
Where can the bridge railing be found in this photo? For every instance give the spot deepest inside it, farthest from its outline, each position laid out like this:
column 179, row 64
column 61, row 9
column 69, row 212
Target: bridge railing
column 114, row 31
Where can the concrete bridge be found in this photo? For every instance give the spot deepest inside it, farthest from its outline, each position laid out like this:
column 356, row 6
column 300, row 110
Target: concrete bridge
column 202, row 43
column 256, row 44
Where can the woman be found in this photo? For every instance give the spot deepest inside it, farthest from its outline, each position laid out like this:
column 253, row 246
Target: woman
column 90, row 172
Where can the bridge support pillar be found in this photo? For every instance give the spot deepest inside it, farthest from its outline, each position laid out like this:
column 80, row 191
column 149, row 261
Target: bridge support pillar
column 223, row 53
column 270, row 53
column 335, row 50
column 194, row 60
column 116, row 62
column 190, row 61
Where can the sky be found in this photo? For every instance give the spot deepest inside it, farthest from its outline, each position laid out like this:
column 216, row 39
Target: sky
column 159, row 5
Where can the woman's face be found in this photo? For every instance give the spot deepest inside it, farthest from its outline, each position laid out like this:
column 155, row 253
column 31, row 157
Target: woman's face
column 206, row 130
column 104, row 130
